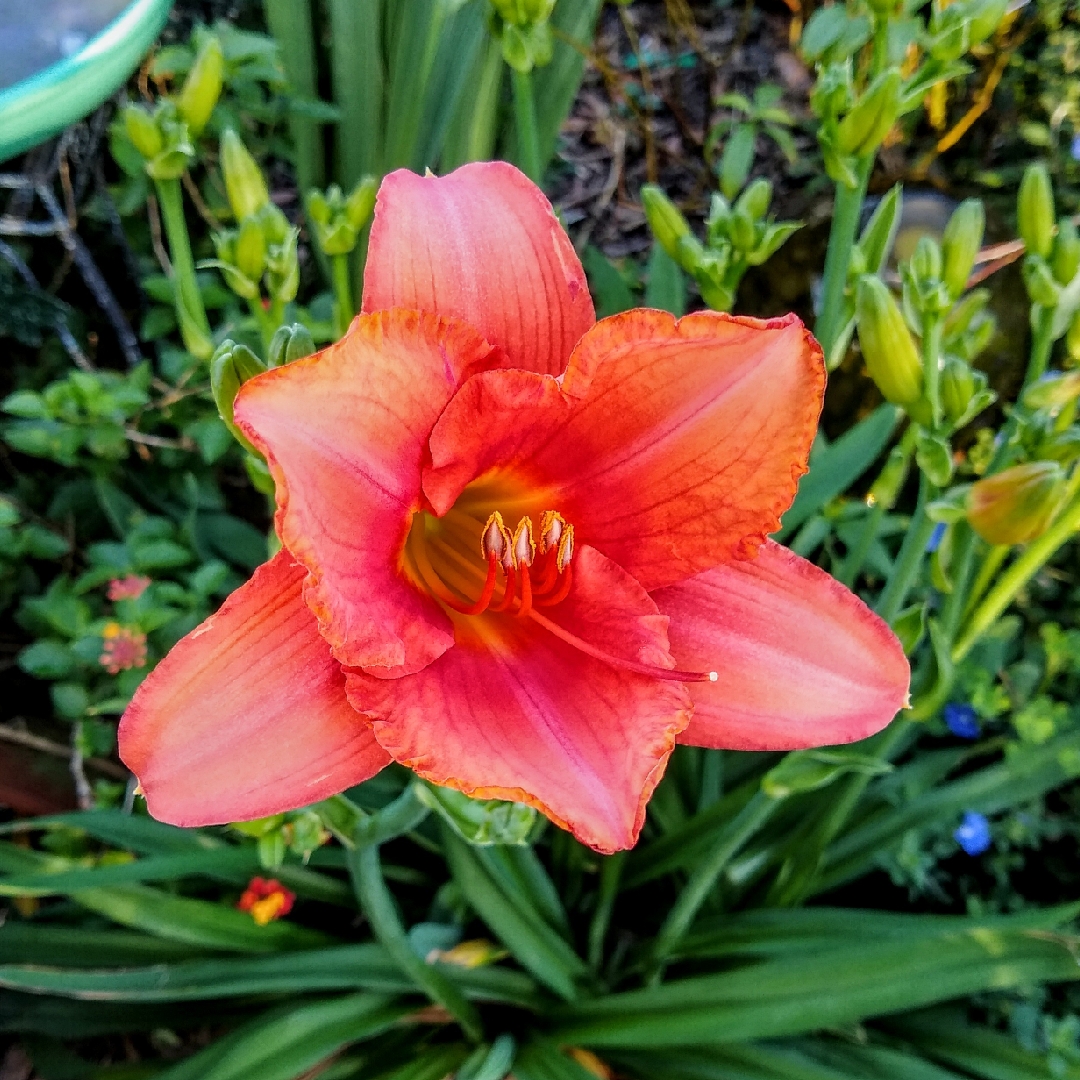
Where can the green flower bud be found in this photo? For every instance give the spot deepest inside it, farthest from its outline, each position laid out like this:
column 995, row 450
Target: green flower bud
column 1053, row 391
column 250, row 255
column 202, row 87
column 960, row 245
column 230, row 367
column 1035, row 211
column 933, row 455
column 143, row 131
column 244, row 183
column 361, row 202
column 887, row 345
column 741, row 231
column 666, row 222
column 318, row 207
column 1039, row 282
column 754, row 201
column 861, row 132
column 283, row 269
column 926, row 261
column 1017, row 505
column 956, row 387
column 290, row 343
column 977, row 338
column 986, row 17
column 1072, row 338
column 1065, row 258
column 1062, row 446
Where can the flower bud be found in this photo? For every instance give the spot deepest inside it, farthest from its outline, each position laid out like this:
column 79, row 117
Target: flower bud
column 143, row 131
column 1053, row 391
column 361, row 202
column 1035, row 211
column 1017, row 505
column 887, row 345
column 960, row 245
column 1065, row 259
column 290, row 343
column 666, row 222
column 283, row 269
column 754, row 201
column 956, row 387
column 986, row 17
column 1039, row 282
column 244, row 183
column 230, row 367
column 866, row 125
column 926, row 260
column 202, row 87
column 250, row 252
column 741, row 230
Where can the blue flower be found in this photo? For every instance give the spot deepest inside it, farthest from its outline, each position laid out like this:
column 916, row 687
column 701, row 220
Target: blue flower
column 1076, row 148
column 973, row 835
column 962, row 720
column 935, row 537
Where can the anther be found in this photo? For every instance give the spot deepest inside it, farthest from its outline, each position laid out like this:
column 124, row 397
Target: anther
column 552, row 526
column 495, row 539
column 524, row 547
column 566, row 549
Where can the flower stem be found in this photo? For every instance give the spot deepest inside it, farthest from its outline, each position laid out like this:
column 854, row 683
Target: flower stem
column 1042, row 343
column 730, row 839
column 931, row 349
column 909, row 560
column 528, row 135
column 378, row 905
column 847, row 207
column 1030, row 562
column 853, row 563
column 190, row 313
column 343, row 305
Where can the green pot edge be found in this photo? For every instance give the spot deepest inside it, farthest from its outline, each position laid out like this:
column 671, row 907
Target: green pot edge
column 47, row 102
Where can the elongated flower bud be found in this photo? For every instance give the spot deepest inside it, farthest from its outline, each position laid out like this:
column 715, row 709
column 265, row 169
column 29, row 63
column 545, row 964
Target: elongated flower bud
column 887, row 345
column 143, row 131
column 866, row 125
column 1065, row 260
column 202, row 87
column 1017, row 505
column 960, row 245
column 926, row 260
column 957, row 387
column 361, row 202
column 250, row 249
column 244, row 183
column 667, row 224
column 1053, row 391
column 754, row 201
column 1035, row 211
column 230, row 367
column 289, row 343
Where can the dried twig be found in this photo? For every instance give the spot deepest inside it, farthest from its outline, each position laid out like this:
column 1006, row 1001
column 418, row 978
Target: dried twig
column 54, row 749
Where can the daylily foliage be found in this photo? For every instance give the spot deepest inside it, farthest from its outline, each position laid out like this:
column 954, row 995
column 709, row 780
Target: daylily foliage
column 524, row 553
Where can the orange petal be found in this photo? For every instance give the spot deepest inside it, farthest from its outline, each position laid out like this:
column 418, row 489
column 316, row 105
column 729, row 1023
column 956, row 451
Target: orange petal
column 345, row 433
column 802, row 661
column 671, row 446
column 247, row 715
column 515, row 713
column 482, row 245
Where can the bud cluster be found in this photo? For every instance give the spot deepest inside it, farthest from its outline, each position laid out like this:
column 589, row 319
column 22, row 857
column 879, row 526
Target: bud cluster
column 736, row 237
column 523, row 29
column 338, row 218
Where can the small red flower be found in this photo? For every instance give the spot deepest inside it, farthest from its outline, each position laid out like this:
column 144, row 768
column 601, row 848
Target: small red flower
column 122, row 648
column 266, row 899
column 130, row 587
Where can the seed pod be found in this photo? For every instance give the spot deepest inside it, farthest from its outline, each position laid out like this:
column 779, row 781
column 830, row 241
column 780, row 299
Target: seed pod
column 1017, row 505
column 887, row 345
column 960, row 245
column 1035, row 210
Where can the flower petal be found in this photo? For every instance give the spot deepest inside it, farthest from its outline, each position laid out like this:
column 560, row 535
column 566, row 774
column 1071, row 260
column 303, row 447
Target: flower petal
column 345, row 433
column 673, row 446
column 802, row 661
column 247, row 715
column 482, row 245
column 513, row 712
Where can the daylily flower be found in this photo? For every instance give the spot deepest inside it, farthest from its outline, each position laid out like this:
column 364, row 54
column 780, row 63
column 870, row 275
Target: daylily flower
column 524, row 552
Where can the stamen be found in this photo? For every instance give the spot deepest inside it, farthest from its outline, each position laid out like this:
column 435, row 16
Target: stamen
column 552, row 526
column 486, row 593
column 561, row 593
column 526, row 592
column 496, row 537
column 524, row 547
column 566, row 549
column 653, row 671
column 508, row 591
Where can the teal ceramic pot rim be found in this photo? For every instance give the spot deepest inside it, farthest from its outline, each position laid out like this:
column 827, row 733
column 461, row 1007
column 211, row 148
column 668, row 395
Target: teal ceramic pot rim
column 45, row 103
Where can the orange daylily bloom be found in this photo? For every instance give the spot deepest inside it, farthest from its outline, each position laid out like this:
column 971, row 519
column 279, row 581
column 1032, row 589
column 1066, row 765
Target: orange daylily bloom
column 524, row 552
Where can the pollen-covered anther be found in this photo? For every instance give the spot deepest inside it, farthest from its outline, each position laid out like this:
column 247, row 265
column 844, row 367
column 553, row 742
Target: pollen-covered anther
column 496, row 540
column 524, row 545
column 566, row 549
column 552, row 527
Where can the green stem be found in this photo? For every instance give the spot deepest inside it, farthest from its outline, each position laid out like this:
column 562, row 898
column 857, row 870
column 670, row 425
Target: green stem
column 1030, row 562
column 190, row 313
column 1042, row 342
column 528, row 136
column 847, row 207
column 378, row 905
column 610, row 875
column 853, row 563
column 931, row 349
column 909, row 560
column 266, row 324
column 343, row 302
column 991, row 565
column 730, row 839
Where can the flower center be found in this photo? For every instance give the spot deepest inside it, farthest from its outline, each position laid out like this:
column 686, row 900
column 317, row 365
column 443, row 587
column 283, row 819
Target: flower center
column 471, row 562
